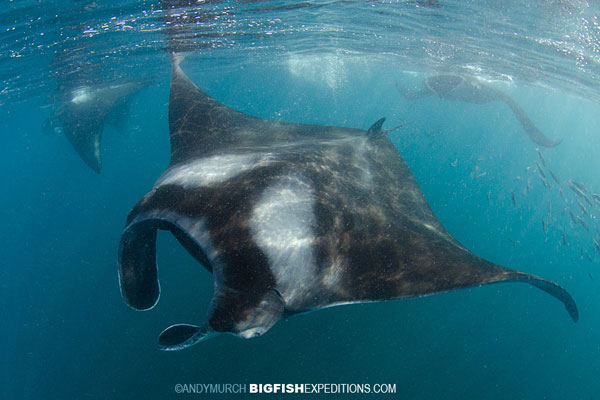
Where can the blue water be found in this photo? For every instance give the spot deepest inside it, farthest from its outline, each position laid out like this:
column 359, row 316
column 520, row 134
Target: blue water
column 66, row 332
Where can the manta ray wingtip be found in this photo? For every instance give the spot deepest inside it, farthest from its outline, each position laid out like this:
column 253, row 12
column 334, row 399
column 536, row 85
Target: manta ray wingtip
column 96, row 165
column 552, row 289
column 177, row 58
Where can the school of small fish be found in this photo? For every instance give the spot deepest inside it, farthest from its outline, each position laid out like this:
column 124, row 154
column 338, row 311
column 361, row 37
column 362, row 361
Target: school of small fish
column 580, row 207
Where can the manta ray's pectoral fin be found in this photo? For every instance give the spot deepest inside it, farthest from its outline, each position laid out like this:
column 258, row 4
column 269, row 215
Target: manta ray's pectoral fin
column 412, row 94
column 529, row 127
column 376, row 131
column 52, row 125
column 119, row 115
column 549, row 287
column 85, row 137
column 181, row 336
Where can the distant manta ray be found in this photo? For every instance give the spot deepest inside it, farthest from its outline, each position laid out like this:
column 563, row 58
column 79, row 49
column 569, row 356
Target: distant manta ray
column 81, row 118
column 471, row 90
column 290, row 218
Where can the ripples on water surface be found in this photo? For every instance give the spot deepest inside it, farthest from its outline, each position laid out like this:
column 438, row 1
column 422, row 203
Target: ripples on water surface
column 551, row 43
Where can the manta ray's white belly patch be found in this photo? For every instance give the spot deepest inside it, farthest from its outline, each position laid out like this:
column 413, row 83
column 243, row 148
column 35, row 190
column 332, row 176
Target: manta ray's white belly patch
column 212, row 170
column 282, row 225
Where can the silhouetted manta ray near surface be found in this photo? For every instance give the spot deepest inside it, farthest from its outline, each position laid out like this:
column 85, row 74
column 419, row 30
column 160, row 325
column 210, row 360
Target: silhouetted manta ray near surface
column 290, row 218
column 81, row 118
column 471, row 90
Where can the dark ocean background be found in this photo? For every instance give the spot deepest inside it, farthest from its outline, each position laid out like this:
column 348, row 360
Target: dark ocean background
column 67, row 334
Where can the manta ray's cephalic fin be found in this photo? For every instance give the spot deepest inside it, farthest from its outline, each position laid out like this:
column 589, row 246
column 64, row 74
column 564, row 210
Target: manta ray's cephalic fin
column 180, row 336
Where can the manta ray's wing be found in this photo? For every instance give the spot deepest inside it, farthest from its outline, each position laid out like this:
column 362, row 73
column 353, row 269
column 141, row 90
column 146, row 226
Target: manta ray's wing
column 83, row 125
column 529, row 127
column 290, row 218
column 82, row 117
column 472, row 90
column 200, row 125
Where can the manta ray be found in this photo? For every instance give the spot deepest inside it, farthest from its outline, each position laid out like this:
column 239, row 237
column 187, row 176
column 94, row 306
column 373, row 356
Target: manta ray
column 471, row 90
column 290, row 218
column 81, row 118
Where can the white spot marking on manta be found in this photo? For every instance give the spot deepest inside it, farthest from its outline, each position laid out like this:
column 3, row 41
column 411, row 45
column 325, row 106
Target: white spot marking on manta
column 282, row 226
column 428, row 226
column 212, row 170
column 80, row 95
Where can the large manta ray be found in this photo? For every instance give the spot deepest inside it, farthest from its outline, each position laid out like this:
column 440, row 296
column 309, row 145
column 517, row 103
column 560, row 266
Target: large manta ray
column 471, row 90
column 290, row 218
column 81, row 118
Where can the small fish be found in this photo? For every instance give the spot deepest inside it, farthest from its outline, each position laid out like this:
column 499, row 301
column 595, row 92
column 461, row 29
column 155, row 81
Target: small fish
column 474, row 170
column 512, row 197
column 564, row 239
column 578, row 191
column 542, row 158
column 516, row 178
column 549, row 209
column 581, row 186
column 573, row 219
column 540, row 169
column 489, row 195
column 597, row 243
column 588, row 256
column 572, row 186
column 554, row 177
column 528, row 185
column 564, row 211
column 454, row 163
column 561, row 193
column 481, row 175
column 582, row 207
column 544, row 227
column 582, row 222
column 596, row 197
column 590, row 275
